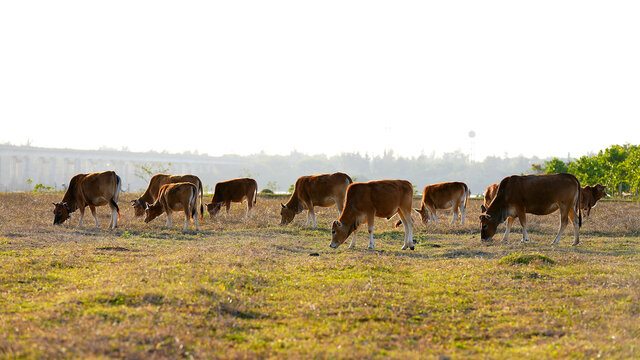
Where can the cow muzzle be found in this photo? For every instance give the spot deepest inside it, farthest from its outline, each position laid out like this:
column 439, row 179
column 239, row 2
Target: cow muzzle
column 334, row 245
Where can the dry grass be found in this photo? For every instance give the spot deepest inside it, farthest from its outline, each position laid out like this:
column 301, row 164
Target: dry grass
column 249, row 289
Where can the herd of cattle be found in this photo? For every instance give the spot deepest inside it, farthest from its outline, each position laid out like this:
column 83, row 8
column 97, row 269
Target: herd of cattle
column 357, row 203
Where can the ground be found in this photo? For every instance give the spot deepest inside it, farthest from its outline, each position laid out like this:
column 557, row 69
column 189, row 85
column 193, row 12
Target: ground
column 250, row 289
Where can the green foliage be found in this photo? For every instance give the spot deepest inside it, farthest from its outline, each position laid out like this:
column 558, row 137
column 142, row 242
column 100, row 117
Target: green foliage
column 617, row 167
column 555, row 166
column 39, row 188
column 266, row 192
column 292, row 187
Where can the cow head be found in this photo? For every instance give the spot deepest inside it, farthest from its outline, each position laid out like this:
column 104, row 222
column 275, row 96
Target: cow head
column 287, row 214
column 214, row 208
column 340, row 232
column 61, row 213
column 138, row 207
column 152, row 212
column 599, row 191
column 424, row 214
column 489, row 227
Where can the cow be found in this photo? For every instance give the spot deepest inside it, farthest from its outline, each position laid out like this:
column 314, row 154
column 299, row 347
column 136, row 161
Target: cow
column 182, row 196
column 447, row 195
column 315, row 190
column 489, row 195
column 589, row 196
column 365, row 201
column 534, row 194
column 94, row 189
column 151, row 194
column 235, row 190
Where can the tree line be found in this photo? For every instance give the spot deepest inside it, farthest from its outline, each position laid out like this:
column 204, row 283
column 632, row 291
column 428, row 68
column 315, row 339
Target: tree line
column 617, row 167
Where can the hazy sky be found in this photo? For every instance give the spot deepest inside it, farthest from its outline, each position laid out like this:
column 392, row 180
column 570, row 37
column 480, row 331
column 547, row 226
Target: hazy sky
column 543, row 78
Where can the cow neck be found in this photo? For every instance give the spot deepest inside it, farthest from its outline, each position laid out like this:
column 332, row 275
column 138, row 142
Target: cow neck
column 294, row 204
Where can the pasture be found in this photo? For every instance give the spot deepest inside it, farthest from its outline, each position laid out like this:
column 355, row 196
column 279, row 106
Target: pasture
column 250, row 289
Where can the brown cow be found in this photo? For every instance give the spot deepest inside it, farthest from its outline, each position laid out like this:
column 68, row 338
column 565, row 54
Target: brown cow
column 589, row 196
column 365, row 201
column 182, row 196
column 315, row 190
column 156, row 182
column 447, row 195
column 94, row 189
column 534, row 194
column 235, row 190
column 489, row 195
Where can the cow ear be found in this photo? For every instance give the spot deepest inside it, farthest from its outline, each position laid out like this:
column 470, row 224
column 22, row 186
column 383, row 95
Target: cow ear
column 133, row 202
column 283, row 205
column 483, row 208
column 417, row 210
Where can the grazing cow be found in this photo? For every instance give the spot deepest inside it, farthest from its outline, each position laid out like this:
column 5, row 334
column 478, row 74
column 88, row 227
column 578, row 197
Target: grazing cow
column 151, row 194
column 589, row 196
column 365, row 201
column 182, row 196
column 448, row 195
column 94, row 189
column 235, row 190
column 534, row 194
column 315, row 190
column 489, row 195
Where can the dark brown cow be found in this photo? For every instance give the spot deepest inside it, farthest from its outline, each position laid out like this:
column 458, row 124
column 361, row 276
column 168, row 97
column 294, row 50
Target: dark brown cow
column 365, row 201
column 156, row 182
column 534, row 194
column 589, row 196
column 182, row 196
column 447, row 195
column 94, row 189
column 315, row 190
column 235, row 190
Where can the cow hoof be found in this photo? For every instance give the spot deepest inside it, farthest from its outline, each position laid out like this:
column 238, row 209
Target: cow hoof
column 575, row 243
column 404, row 248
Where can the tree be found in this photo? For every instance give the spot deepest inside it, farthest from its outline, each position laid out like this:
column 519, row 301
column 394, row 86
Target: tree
column 555, row 166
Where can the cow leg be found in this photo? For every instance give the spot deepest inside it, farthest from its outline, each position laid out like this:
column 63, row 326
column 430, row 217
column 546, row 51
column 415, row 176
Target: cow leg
column 95, row 216
column 169, row 224
column 564, row 220
column 187, row 217
column 249, row 206
column 81, row 216
column 408, row 229
column 228, row 205
column 510, row 221
column 370, row 229
column 311, row 214
column 353, row 240
column 463, row 213
column 576, row 228
column 454, row 216
column 523, row 221
column 434, row 216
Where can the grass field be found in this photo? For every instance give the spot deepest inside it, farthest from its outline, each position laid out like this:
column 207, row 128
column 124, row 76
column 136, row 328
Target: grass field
column 249, row 289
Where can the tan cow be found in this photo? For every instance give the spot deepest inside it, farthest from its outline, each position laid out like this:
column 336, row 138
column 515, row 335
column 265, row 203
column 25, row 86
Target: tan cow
column 235, row 190
column 315, row 190
column 365, row 201
column 534, row 194
column 94, row 189
column 589, row 196
column 156, row 182
column 182, row 196
column 443, row 196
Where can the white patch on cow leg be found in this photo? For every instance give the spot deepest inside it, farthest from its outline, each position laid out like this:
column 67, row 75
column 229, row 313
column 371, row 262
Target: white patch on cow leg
column 525, row 234
column 308, row 215
column 435, row 218
column 563, row 224
column 169, row 224
column 187, row 216
column 353, row 240
column 95, row 217
column 454, row 216
column 463, row 213
column 576, row 230
column 370, row 228
column 313, row 217
column 81, row 217
column 505, row 237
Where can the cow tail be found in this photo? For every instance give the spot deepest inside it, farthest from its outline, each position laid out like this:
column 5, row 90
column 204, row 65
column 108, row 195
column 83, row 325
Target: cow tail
column 467, row 193
column 255, row 194
column 201, row 200
column 114, row 199
column 194, row 207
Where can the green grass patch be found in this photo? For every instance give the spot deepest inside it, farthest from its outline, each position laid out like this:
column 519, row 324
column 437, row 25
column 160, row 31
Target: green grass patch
column 526, row 259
